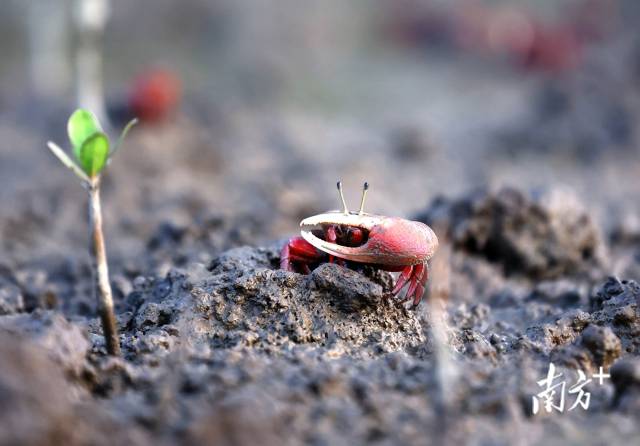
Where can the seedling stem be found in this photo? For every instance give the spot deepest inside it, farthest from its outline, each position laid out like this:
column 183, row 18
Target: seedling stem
column 99, row 257
column 92, row 153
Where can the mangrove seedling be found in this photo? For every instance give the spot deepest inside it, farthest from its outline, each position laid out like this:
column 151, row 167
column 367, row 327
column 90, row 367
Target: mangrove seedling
column 92, row 152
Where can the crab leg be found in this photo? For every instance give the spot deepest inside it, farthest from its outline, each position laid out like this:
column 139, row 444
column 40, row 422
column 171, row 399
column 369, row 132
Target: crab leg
column 421, row 286
column 405, row 275
column 417, row 277
column 418, row 271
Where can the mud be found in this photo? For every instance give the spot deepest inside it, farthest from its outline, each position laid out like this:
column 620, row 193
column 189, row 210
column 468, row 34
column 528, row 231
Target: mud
column 236, row 351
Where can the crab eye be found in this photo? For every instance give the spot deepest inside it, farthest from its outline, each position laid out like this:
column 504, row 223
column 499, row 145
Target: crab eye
column 353, row 237
column 357, row 236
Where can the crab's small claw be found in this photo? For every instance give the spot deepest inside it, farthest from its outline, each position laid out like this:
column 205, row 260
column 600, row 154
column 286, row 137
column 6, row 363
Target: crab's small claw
column 299, row 252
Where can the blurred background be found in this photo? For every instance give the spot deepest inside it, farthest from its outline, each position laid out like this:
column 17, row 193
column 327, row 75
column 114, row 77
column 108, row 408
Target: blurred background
column 252, row 110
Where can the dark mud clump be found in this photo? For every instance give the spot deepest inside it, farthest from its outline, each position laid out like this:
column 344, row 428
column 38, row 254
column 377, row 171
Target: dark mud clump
column 541, row 236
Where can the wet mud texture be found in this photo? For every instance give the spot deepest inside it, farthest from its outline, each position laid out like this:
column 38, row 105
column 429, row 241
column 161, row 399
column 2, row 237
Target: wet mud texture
column 227, row 349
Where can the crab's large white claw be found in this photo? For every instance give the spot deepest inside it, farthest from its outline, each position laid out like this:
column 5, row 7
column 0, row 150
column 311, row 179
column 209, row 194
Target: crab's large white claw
column 364, row 220
column 390, row 241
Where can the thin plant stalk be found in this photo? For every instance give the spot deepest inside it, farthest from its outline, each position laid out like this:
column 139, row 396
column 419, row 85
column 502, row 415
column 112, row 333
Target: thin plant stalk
column 99, row 257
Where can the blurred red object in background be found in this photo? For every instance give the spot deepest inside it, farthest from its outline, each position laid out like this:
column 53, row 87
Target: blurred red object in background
column 553, row 49
column 155, row 95
column 512, row 32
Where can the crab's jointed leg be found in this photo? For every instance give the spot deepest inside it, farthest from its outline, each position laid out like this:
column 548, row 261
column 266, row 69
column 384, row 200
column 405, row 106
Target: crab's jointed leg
column 418, row 271
column 403, row 278
column 421, row 286
column 417, row 277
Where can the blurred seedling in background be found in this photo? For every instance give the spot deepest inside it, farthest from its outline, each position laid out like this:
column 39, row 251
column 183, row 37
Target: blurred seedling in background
column 90, row 20
column 92, row 152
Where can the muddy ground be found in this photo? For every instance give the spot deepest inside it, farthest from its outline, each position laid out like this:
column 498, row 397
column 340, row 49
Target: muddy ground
column 538, row 221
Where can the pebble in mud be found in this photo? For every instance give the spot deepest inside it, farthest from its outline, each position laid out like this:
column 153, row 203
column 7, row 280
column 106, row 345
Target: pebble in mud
column 543, row 237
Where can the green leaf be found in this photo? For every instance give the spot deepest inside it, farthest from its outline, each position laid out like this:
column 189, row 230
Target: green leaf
column 123, row 135
column 81, row 126
column 94, row 153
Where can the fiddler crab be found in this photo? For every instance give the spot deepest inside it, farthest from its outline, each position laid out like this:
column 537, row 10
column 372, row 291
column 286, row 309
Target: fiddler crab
column 389, row 243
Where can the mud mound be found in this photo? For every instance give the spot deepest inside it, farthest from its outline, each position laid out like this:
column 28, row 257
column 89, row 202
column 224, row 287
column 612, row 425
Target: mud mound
column 543, row 237
column 245, row 302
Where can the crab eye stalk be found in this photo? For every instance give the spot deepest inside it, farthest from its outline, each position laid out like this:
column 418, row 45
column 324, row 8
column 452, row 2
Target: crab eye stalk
column 365, row 188
column 344, row 203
